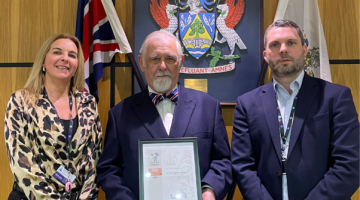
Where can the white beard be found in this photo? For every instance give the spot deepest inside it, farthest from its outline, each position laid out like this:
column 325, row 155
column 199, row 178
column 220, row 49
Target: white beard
column 162, row 84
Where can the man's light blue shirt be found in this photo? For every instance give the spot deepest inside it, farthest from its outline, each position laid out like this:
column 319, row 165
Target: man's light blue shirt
column 285, row 102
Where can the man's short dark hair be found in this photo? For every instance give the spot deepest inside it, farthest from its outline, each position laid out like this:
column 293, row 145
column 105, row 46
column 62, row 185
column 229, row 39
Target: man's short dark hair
column 284, row 23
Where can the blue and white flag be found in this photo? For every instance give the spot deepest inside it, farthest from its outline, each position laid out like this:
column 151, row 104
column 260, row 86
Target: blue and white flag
column 305, row 13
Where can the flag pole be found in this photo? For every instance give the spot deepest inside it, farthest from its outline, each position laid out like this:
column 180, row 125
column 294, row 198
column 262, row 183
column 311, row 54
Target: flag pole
column 262, row 75
column 136, row 71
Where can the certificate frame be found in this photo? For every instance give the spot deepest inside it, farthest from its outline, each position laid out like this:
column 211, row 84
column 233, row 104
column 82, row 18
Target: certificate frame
column 165, row 145
column 229, row 78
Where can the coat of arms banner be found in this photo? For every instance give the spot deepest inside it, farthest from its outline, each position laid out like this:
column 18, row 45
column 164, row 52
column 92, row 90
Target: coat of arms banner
column 221, row 40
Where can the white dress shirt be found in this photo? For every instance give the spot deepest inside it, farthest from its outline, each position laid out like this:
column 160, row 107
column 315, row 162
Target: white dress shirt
column 166, row 110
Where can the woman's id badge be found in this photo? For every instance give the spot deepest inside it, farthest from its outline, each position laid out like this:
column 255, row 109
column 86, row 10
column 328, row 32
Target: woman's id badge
column 63, row 175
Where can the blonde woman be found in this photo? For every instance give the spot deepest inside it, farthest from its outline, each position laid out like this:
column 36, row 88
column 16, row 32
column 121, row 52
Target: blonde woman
column 52, row 128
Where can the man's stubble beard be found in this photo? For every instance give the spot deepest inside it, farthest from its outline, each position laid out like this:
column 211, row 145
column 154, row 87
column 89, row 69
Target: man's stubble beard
column 286, row 70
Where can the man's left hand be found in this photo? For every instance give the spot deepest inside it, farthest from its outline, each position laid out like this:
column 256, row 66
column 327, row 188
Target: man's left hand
column 208, row 194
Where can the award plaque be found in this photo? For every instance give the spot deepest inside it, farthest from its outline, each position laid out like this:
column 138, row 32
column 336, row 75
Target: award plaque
column 169, row 169
column 196, row 84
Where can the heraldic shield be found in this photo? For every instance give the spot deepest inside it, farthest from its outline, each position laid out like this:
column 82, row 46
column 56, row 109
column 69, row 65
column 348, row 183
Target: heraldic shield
column 214, row 37
column 197, row 32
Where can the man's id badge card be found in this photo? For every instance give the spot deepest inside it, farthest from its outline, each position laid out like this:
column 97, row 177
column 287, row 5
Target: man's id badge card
column 62, row 175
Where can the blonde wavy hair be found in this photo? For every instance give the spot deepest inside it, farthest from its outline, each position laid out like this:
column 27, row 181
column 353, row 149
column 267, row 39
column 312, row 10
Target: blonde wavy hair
column 36, row 80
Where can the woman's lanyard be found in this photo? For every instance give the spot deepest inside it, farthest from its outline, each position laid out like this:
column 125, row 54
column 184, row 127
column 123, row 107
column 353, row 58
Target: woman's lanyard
column 284, row 136
column 68, row 185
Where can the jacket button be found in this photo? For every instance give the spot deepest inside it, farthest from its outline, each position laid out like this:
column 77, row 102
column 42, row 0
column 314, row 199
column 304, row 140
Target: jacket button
column 278, row 173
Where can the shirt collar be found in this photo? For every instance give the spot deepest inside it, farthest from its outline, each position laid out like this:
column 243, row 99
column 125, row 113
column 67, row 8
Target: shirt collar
column 296, row 84
column 152, row 91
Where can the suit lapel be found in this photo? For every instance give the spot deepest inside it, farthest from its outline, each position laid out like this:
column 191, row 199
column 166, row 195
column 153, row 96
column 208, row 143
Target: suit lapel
column 182, row 114
column 306, row 96
column 269, row 104
column 149, row 116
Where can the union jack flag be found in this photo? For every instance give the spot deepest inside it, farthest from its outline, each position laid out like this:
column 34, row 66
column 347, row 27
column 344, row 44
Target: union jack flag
column 101, row 34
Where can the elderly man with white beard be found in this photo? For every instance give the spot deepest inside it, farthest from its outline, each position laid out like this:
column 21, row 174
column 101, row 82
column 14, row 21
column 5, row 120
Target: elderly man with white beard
column 165, row 109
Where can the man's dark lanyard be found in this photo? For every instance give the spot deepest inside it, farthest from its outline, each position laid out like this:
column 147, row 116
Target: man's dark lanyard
column 68, row 135
column 284, row 137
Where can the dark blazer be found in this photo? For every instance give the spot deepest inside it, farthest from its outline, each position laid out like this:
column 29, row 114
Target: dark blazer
column 323, row 161
column 136, row 118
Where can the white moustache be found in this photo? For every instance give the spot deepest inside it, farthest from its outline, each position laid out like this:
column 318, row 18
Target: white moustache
column 166, row 73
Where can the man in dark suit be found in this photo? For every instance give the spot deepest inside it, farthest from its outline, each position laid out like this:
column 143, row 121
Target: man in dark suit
column 195, row 114
column 296, row 137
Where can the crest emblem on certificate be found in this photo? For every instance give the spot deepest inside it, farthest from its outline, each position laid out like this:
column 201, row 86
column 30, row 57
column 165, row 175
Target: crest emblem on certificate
column 200, row 26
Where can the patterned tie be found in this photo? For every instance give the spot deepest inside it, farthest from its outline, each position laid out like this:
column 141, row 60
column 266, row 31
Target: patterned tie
column 157, row 98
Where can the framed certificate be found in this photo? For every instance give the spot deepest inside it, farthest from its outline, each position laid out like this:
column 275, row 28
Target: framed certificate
column 169, row 169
